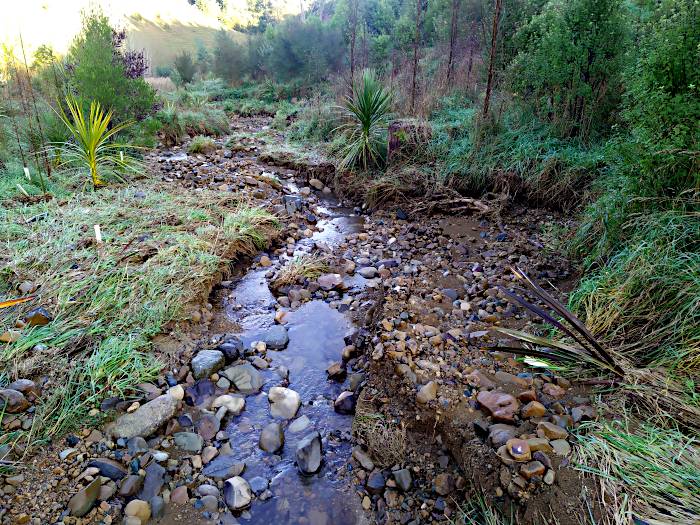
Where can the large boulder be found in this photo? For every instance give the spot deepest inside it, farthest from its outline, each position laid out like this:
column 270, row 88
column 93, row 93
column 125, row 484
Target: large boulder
column 145, row 420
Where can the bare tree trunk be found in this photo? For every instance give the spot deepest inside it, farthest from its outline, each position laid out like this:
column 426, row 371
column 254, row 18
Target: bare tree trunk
column 353, row 38
column 453, row 40
column 492, row 57
column 416, row 41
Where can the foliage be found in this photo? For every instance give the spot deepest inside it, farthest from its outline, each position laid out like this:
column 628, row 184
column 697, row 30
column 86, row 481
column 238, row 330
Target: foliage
column 99, row 70
column 92, row 147
column 569, row 67
column 229, row 58
column 367, row 111
column 185, row 67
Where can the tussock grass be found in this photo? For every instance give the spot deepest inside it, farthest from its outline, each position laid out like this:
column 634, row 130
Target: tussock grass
column 201, row 144
column 645, row 472
column 478, row 511
column 160, row 253
column 385, row 441
column 308, row 266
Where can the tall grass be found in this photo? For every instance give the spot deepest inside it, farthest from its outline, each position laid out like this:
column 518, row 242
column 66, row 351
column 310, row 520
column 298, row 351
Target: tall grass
column 160, row 252
column 646, row 299
column 646, row 472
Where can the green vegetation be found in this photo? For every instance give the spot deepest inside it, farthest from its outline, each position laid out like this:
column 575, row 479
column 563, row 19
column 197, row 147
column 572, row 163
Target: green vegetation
column 201, row 144
column 109, row 299
column 91, row 147
column 98, row 69
column 365, row 134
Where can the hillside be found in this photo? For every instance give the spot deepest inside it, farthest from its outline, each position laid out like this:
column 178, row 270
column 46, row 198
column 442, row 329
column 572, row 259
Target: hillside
column 162, row 28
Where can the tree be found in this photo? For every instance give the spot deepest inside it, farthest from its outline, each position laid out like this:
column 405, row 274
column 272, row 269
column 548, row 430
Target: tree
column 416, row 44
column 492, row 56
column 453, row 39
column 185, row 66
column 570, row 65
column 229, row 58
column 98, row 69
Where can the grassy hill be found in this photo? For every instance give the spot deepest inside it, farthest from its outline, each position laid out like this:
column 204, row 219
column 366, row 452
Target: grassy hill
column 162, row 27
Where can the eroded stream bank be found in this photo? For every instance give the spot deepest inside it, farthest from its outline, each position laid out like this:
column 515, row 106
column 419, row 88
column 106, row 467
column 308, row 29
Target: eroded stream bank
column 394, row 315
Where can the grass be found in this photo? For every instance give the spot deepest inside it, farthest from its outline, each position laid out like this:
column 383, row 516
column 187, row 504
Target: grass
column 201, row 144
column 309, row 266
column 477, row 511
column 646, row 473
column 108, row 300
column 646, row 299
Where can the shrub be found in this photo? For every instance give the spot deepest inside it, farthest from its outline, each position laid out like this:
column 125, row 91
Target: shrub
column 229, row 58
column 170, row 125
column 185, row 67
column 570, row 66
column 99, row 70
column 204, row 121
column 367, row 110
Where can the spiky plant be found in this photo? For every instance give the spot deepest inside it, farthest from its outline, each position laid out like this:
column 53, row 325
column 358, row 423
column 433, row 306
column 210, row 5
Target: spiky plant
column 92, row 145
column 584, row 349
column 367, row 111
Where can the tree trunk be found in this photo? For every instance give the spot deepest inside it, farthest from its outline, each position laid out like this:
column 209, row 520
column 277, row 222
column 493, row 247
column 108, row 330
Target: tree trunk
column 416, row 41
column 492, row 57
column 353, row 37
column 453, row 40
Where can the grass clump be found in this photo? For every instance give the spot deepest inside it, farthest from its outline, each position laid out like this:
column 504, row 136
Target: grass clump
column 307, row 266
column 646, row 300
column 647, row 473
column 109, row 299
column 201, row 144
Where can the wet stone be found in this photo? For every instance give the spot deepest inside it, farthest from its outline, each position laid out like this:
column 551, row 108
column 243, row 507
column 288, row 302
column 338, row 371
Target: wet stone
column 376, row 482
column 403, row 479
column 206, row 362
column 199, row 393
column 258, row 485
column 153, row 482
column 237, row 493
column 234, row 405
column 189, row 441
column 108, row 468
column 245, row 378
column 345, row 403
column 519, row 449
column 207, row 426
column 284, row 402
column 309, row 453
column 500, row 406
column 146, row 419
column 444, row 484
column 81, row 503
column 223, row 467
column 13, row 401
column 271, row 438
column 533, row 469
column 500, row 433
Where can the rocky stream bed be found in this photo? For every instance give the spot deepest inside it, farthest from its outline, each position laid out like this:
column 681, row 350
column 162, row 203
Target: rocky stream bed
column 372, row 392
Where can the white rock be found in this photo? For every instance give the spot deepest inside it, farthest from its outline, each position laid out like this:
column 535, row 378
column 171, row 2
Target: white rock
column 284, row 402
column 233, row 404
column 237, row 493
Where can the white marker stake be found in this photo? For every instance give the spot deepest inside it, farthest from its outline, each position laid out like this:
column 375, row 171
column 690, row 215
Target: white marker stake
column 98, row 234
column 26, row 174
column 121, row 156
